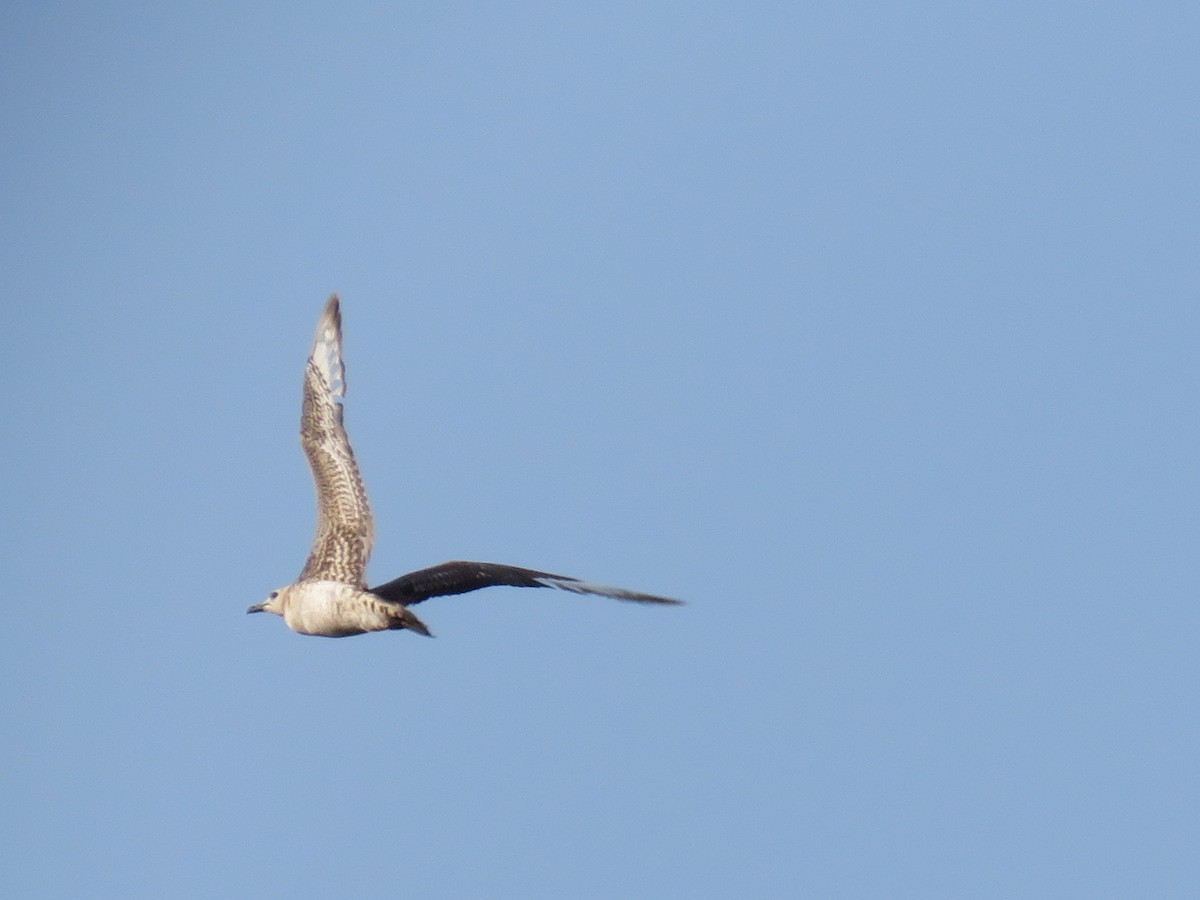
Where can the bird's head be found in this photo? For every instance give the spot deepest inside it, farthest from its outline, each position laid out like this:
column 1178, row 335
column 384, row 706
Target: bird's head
column 273, row 604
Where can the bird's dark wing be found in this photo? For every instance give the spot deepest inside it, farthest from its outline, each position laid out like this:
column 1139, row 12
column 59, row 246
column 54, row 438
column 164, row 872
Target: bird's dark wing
column 461, row 577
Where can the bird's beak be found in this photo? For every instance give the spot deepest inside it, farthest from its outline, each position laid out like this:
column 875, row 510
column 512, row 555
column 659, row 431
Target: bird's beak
column 257, row 607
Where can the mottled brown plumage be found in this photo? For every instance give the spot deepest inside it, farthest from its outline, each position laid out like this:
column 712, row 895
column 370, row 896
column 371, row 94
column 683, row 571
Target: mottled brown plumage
column 330, row 598
column 345, row 529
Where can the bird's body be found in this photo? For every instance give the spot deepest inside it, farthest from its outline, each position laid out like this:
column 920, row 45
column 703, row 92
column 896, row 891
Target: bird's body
column 331, row 598
column 336, row 609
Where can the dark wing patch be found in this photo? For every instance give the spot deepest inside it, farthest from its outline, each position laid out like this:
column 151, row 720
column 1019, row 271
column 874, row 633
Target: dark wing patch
column 460, row 577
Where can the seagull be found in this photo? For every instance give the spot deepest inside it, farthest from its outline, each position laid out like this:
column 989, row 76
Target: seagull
column 331, row 597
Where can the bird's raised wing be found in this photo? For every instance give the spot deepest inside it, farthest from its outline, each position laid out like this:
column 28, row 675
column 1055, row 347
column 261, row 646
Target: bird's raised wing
column 461, row 577
column 345, row 530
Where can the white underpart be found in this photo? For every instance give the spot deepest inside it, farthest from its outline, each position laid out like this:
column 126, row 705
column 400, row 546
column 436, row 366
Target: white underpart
column 332, row 609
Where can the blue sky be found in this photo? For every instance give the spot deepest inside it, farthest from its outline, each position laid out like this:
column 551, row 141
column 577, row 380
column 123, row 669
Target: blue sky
column 869, row 329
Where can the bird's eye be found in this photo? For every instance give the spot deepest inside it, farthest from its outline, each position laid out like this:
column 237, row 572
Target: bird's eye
column 274, row 594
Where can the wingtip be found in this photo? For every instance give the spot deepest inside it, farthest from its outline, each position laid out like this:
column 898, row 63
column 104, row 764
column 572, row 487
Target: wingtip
column 327, row 347
column 331, row 317
column 575, row 586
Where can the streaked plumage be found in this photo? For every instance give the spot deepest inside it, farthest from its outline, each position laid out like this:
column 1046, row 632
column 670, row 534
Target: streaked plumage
column 331, row 597
column 345, row 529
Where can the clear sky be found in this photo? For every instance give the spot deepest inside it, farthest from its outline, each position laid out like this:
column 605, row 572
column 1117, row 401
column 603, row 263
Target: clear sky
column 869, row 329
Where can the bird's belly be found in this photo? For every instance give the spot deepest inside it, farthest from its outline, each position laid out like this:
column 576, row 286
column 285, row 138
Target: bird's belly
column 329, row 609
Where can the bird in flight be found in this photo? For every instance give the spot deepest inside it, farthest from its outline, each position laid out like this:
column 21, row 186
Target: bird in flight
column 331, row 597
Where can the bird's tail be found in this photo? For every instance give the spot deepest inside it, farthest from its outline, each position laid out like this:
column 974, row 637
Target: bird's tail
column 402, row 617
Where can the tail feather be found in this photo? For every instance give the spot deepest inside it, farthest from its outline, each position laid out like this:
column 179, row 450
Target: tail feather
column 403, row 617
